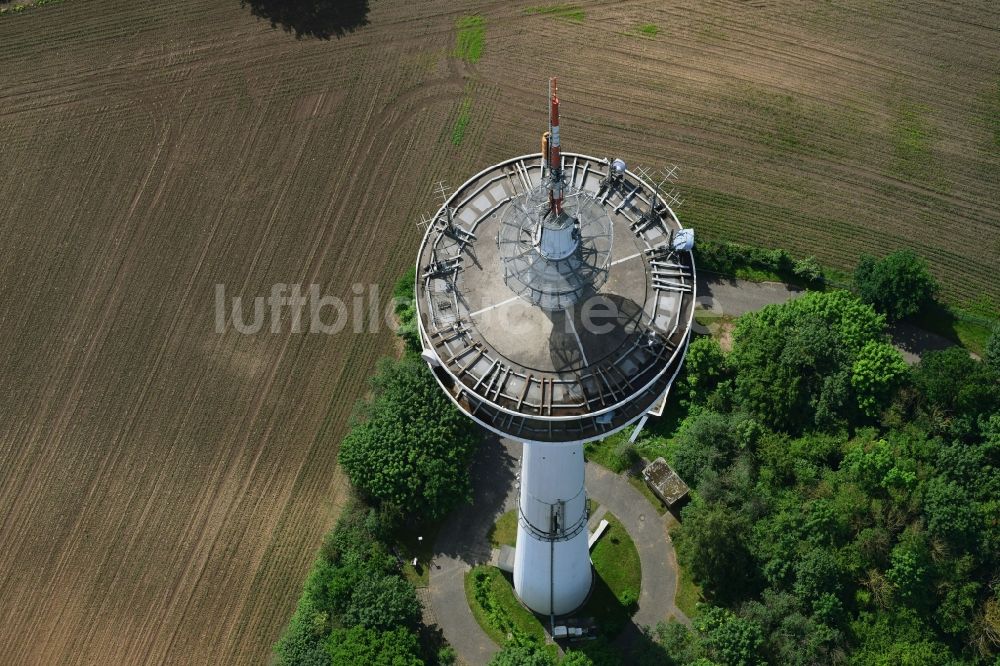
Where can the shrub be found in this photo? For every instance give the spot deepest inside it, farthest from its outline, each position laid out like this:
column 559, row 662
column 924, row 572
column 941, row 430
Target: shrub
column 623, row 456
column 898, row 285
column 405, row 308
column 630, row 600
column 809, row 270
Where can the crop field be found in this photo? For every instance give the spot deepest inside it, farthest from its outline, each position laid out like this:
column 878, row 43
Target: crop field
column 164, row 486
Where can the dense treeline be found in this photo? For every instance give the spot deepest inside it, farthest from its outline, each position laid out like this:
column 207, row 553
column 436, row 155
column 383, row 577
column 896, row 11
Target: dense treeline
column 355, row 606
column 846, row 508
column 407, row 455
column 410, row 449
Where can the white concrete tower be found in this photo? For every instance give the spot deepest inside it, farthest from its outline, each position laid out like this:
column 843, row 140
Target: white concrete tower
column 555, row 305
column 552, row 573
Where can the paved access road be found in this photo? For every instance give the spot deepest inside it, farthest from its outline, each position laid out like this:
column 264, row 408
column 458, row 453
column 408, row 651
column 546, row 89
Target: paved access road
column 464, row 542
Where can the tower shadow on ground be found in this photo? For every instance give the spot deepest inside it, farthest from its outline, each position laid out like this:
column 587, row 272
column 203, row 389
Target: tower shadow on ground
column 466, row 535
column 321, row 19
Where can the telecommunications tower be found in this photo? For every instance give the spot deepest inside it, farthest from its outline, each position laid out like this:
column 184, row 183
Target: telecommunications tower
column 555, row 294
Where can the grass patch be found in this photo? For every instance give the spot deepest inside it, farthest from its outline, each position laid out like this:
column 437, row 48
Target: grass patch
column 490, row 594
column 470, row 38
column 605, row 452
column 464, row 115
column 688, row 594
column 911, row 140
column 617, row 580
column 566, row 12
column 712, row 321
column 970, row 331
column 617, row 561
column 648, row 30
column 504, row 531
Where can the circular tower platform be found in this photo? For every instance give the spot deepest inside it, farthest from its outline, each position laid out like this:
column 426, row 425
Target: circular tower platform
column 561, row 332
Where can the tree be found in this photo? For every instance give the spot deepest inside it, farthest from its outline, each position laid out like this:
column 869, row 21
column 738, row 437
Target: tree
column 942, row 375
column 710, row 546
column 992, row 354
column 412, row 451
column 951, row 513
column 704, row 368
column 360, row 645
column 877, row 371
column 312, row 18
column 899, row 285
column 897, row 638
column 785, row 356
column 729, row 639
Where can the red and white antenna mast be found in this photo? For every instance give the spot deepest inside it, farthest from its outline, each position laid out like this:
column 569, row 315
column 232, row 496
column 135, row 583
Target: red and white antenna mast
column 554, row 156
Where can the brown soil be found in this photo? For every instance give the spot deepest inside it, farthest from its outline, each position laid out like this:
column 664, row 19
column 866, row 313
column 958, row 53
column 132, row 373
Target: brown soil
column 165, row 487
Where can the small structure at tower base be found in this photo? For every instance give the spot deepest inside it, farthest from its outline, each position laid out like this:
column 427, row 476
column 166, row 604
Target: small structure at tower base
column 664, row 482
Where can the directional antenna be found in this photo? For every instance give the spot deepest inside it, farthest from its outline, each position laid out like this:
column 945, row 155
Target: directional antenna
column 441, row 189
column 659, row 180
column 425, row 221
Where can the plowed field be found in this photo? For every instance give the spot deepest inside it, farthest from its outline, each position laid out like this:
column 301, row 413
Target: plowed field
column 163, row 487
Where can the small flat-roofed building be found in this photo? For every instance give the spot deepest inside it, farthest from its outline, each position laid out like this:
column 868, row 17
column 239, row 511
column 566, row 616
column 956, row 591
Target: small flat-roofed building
column 665, row 482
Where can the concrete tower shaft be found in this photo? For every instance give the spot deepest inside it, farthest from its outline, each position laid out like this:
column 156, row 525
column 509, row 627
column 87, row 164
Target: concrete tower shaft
column 552, row 572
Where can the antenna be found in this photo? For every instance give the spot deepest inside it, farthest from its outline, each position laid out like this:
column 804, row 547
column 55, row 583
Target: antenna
column 658, row 181
column 425, row 221
column 555, row 156
column 441, row 189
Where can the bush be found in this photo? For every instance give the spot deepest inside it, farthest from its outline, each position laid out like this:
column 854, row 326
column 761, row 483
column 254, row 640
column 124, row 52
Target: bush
column 809, row 270
column 630, row 600
column 899, row 285
column 992, row 354
column 704, row 368
column 354, row 583
column 359, row 645
column 405, row 308
column 514, row 654
column 623, row 456
column 729, row 258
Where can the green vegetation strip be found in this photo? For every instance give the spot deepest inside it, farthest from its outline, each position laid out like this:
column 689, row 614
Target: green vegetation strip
column 496, row 608
column 464, row 115
column 566, row 12
column 504, row 532
column 20, row 7
column 470, row 38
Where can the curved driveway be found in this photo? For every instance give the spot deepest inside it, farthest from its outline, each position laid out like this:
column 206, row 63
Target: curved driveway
column 463, row 542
